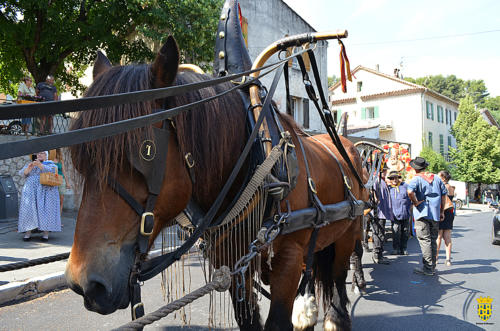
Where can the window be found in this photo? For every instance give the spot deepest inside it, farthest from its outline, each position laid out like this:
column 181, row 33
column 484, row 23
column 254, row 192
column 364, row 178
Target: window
column 449, row 143
column 430, row 139
column 455, row 115
column 369, row 112
column 300, row 111
column 440, row 114
column 441, row 144
column 447, row 116
column 360, row 85
column 305, row 109
column 430, row 110
column 337, row 114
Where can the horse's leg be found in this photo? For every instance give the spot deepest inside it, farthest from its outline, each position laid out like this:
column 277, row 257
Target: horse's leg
column 247, row 312
column 336, row 316
column 358, row 277
column 284, row 278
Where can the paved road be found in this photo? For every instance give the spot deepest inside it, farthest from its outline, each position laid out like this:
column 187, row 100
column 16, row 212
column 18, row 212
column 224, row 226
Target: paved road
column 397, row 299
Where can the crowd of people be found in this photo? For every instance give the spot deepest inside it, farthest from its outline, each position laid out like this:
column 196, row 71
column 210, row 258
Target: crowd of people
column 44, row 91
column 425, row 202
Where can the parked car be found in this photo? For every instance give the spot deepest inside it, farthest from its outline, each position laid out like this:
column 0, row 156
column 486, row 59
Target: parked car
column 12, row 126
column 460, row 193
column 495, row 236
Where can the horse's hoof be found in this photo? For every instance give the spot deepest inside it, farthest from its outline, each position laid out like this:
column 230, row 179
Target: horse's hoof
column 330, row 325
column 305, row 312
column 356, row 290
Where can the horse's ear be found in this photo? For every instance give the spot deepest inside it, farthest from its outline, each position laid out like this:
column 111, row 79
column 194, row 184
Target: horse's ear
column 165, row 66
column 101, row 64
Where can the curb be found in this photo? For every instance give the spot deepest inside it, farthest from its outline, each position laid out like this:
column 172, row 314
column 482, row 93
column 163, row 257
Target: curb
column 21, row 290
column 33, row 287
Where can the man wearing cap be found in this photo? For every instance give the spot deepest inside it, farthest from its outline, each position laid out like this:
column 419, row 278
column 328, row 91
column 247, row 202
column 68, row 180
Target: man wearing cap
column 401, row 204
column 427, row 193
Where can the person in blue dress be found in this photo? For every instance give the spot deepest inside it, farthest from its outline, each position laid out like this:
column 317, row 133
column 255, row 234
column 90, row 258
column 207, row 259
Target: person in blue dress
column 427, row 193
column 39, row 206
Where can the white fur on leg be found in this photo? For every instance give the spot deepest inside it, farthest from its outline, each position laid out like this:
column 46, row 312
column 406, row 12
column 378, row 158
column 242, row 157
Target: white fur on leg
column 305, row 312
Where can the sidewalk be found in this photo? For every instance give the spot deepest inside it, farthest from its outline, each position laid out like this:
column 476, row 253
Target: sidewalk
column 32, row 281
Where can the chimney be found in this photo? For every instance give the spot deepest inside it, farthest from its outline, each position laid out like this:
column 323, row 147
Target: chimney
column 396, row 72
column 377, row 67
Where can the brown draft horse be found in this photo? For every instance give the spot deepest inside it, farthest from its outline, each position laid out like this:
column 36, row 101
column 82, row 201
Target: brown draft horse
column 103, row 250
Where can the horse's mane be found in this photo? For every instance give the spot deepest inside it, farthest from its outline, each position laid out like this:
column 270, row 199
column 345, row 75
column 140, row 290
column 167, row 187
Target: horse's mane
column 100, row 158
column 211, row 132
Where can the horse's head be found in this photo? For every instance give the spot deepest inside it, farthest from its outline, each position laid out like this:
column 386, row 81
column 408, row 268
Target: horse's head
column 107, row 227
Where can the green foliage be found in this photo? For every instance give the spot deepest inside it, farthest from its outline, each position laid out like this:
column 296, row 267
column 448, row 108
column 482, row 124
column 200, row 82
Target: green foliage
column 332, row 80
column 493, row 105
column 477, row 156
column 436, row 161
column 453, row 87
column 61, row 38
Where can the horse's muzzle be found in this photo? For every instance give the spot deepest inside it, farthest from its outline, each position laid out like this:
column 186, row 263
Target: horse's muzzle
column 105, row 290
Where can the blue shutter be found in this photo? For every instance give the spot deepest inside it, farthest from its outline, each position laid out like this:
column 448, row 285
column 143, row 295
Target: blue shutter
column 375, row 112
column 363, row 113
column 432, row 112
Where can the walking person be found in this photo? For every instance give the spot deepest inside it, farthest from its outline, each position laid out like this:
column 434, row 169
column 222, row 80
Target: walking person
column 401, row 204
column 39, row 206
column 382, row 213
column 427, row 194
column 446, row 225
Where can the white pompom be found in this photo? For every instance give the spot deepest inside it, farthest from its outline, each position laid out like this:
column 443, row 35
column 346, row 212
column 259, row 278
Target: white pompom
column 305, row 312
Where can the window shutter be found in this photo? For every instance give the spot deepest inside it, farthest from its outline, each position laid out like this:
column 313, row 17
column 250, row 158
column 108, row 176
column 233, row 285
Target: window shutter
column 375, row 112
column 432, row 112
column 363, row 113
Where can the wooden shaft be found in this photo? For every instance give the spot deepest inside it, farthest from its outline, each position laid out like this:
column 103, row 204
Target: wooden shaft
column 270, row 51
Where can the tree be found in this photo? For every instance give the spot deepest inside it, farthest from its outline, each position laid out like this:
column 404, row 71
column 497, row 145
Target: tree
column 493, row 105
column 477, row 156
column 332, row 80
column 453, row 87
column 436, row 161
column 61, row 38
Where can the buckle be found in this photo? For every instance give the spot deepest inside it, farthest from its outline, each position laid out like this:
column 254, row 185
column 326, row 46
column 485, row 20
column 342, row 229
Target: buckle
column 137, row 305
column 143, row 218
column 312, row 186
column 243, row 80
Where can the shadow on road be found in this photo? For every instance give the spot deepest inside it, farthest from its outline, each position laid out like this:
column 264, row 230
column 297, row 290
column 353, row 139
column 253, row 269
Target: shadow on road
column 415, row 322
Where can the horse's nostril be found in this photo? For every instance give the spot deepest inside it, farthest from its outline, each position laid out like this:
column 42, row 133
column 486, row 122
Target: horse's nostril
column 98, row 290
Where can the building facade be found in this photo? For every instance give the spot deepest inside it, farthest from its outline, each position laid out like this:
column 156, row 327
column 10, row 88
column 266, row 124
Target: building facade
column 269, row 21
column 404, row 112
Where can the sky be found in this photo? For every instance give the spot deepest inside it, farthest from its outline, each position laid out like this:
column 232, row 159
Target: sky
column 383, row 32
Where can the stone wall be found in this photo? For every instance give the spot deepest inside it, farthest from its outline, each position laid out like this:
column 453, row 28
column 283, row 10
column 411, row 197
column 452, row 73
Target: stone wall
column 11, row 167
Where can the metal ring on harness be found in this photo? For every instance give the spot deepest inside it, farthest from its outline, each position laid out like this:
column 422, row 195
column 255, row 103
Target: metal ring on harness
column 312, row 186
column 143, row 218
column 189, row 160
